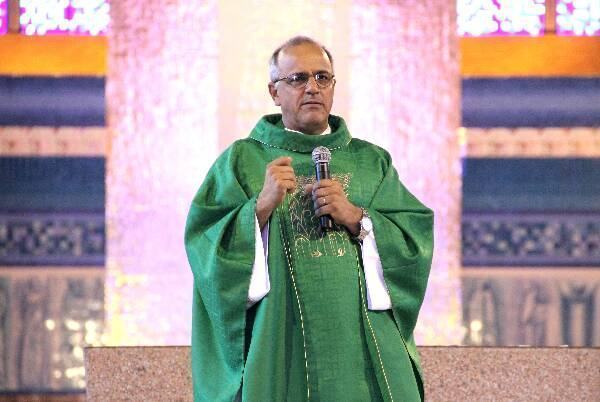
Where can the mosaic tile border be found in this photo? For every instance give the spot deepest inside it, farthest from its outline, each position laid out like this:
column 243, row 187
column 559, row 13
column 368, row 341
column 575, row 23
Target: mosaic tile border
column 540, row 239
column 53, row 141
column 531, row 142
column 58, row 239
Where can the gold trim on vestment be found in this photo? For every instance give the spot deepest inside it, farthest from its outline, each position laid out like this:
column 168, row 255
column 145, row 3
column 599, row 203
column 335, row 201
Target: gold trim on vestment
column 291, row 270
column 365, row 312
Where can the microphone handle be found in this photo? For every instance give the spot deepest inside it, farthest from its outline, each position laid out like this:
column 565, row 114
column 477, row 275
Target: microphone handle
column 322, row 172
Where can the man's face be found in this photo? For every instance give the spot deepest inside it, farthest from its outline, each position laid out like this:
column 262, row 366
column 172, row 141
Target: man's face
column 304, row 109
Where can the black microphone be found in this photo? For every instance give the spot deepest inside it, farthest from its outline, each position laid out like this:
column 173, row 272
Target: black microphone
column 321, row 157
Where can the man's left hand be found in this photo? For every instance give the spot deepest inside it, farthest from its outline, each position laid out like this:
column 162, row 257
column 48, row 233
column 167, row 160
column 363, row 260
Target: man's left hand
column 329, row 199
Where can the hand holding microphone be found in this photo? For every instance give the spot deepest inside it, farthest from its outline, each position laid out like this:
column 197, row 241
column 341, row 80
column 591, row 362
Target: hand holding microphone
column 329, row 199
column 321, row 157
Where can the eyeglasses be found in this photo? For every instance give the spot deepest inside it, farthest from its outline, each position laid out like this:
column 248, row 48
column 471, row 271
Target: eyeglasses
column 299, row 80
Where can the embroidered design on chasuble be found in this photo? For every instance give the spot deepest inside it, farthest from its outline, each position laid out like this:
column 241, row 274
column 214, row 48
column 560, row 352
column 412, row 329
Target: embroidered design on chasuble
column 307, row 239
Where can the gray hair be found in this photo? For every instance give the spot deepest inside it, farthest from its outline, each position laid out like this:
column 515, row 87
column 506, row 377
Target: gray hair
column 295, row 41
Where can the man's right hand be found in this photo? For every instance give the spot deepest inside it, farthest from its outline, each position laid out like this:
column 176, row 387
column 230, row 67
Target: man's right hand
column 279, row 180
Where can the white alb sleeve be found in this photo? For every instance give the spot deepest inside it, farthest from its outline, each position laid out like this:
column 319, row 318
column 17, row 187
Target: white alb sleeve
column 259, row 280
column 378, row 297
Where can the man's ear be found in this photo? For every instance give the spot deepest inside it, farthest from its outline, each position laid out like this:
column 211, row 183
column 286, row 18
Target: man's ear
column 274, row 95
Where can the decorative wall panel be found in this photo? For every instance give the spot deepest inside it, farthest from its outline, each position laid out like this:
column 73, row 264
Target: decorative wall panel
column 51, row 216
column 3, row 16
column 53, row 141
column 559, row 142
column 578, row 17
column 47, row 239
column 531, row 185
column 531, row 102
column 529, row 239
column 34, row 184
column 51, row 317
column 52, row 101
column 536, row 307
column 41, row 17
column 497, row 17
column 405, row 94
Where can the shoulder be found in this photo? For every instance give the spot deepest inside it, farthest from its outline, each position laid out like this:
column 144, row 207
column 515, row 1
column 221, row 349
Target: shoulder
column 239, row 150
column 230, row 166
column 367, row 150
column 240, row 147
column 247, row 144
column 363, row 146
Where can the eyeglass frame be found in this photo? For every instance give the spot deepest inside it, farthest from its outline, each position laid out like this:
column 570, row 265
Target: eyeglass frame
column 313, row 75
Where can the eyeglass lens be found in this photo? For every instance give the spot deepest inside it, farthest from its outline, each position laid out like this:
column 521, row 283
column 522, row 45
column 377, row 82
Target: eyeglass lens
column 298, row 80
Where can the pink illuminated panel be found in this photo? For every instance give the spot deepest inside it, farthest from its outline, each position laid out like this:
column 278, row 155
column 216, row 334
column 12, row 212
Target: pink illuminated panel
column 390, row 39
column 578, row 17
column 3, row 16
column 84, row 17
column 501, row 17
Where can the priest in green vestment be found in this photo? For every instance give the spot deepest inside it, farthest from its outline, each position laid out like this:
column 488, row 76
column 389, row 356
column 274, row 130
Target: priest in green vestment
column 285, row 311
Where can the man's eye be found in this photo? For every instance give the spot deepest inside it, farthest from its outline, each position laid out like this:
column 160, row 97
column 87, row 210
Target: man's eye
column 298, row 78
column 323, row 77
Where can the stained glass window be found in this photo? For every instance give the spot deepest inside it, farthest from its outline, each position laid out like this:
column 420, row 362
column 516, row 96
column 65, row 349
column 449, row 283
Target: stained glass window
column 501, row 17
column 578, row 17
column 3, row 16
column 86, row 17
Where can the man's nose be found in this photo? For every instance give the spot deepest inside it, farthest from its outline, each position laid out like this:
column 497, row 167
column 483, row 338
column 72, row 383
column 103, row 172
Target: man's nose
column 311, row 85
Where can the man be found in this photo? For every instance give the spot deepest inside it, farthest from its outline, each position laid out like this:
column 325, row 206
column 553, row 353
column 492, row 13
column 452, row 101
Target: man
column 284, row 311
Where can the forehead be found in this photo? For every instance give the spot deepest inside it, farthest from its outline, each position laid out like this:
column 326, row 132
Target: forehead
column 305, row 57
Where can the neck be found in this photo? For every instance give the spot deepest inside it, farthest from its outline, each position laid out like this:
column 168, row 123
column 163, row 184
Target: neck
column 326, row 131
column 310, row 130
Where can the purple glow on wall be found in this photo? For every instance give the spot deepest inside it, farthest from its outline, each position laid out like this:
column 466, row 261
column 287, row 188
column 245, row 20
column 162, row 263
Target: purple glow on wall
column 501, row 17
column 578, row 17
column 79, row 17
column 3, row 16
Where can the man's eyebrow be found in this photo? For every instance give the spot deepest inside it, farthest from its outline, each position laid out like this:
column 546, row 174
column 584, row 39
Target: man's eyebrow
column 310, row 72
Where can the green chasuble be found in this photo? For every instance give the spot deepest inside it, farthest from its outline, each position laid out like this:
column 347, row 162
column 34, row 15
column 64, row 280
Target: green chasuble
column 311, row 338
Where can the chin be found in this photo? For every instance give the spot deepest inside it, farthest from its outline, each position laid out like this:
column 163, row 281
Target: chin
column 315, row 118
column 311, row 125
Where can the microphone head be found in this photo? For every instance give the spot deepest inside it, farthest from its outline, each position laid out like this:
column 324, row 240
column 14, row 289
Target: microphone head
column 321, row 155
